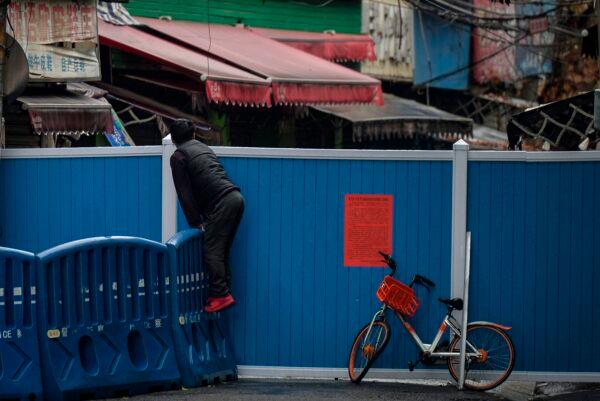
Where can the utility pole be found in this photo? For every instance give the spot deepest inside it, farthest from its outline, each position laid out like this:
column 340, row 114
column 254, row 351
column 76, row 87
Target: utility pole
column 3, row 15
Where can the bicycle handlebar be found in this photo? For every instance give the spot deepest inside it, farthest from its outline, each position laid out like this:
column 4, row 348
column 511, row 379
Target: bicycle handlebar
column 387, row 259
column 417, row 279
column 424, row 281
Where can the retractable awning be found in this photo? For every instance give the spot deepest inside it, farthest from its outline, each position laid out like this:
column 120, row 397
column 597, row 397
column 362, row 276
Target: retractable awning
column 67, row 113
column 224, row 83
column 296, row 77
column 400, row 118
column 328, row 45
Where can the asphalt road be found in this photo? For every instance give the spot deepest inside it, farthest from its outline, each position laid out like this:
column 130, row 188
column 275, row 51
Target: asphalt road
column 305, row 390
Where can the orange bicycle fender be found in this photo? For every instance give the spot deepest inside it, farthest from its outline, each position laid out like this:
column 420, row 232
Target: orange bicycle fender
column 505, row 328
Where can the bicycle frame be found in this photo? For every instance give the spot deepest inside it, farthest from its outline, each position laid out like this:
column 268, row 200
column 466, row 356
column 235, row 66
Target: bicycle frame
column 429, row 349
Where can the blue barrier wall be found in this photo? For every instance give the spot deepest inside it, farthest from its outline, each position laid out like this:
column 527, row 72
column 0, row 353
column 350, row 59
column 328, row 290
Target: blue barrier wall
column 297, row 304
column 204, row 353
column 104, row 319
column 20, row 374
column 535, row 255
column 48, row 201
column 536, row 258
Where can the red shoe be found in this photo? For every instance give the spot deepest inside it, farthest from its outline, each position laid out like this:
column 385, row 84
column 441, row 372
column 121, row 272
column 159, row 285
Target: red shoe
column 218, row 304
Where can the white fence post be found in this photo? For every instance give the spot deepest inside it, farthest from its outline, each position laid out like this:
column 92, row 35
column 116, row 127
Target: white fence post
column 459, row 217
column 465, row 316
column 169, row 196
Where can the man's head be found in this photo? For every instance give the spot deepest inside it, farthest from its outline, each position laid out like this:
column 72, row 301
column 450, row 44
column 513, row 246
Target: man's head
column 182, row 130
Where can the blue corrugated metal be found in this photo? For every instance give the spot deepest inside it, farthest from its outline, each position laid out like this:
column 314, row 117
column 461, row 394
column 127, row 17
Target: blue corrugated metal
column 536, row 258
column 441, row 47
column 46, row 202
column 297, row 304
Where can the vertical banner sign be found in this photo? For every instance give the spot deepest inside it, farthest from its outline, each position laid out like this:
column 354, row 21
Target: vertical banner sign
column 368, row 221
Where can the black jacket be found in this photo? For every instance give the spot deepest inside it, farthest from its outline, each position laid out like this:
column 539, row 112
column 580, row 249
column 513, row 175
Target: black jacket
column 200, row 180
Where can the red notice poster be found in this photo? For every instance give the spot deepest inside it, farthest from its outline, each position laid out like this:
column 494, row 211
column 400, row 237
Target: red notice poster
column 368, row 223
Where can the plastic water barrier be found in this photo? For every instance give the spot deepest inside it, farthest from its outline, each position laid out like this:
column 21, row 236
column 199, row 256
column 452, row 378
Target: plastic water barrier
column 109, row 316
column 104, row 319
column 20, row 367
column 203, row 351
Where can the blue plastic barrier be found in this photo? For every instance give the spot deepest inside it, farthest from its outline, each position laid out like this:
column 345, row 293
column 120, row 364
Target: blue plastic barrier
column 20, row 376
column 103, row 320
column 203, row 352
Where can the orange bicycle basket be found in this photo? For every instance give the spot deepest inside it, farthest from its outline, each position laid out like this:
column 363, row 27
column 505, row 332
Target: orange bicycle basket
column 398, row 296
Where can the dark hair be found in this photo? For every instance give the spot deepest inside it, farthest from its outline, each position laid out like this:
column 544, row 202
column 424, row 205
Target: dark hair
column 182, row 130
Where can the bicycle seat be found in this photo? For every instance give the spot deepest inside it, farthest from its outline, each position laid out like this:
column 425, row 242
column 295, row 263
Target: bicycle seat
column 454, row 303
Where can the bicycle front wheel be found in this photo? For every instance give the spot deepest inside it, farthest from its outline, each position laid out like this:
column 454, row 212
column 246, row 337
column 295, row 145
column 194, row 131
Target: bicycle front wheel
column 496, row 360
column 367, row 346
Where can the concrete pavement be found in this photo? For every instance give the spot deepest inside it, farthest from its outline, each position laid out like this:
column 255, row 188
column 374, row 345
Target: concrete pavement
column 307, row 390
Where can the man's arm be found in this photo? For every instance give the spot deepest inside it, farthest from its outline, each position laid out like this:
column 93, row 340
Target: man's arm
column 185, row 191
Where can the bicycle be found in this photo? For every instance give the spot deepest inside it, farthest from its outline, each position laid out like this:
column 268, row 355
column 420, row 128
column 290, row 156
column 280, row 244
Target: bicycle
column 490, row 355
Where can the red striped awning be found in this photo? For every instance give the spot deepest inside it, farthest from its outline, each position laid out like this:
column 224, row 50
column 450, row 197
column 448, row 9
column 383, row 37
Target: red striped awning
column 328, row 45
column 224, row 83
column 296, row 77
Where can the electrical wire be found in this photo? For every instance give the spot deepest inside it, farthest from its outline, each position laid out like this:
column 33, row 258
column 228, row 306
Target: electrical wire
column 466, row 67
column 455, row 12
column 488, row 27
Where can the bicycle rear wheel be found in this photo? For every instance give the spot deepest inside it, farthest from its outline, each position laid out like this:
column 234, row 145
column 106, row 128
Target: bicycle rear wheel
column 366, row 349
column 494, row 365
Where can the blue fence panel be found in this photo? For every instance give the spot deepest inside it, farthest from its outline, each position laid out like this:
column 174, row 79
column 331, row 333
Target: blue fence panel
column 297, row 305
column 535, row 259
column 104, row 319
column 442, row 49
column 202, row 349
column 20, row 370
column 46, row 202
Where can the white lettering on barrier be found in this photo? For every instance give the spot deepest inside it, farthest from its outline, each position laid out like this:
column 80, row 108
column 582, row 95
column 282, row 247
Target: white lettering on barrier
column 33, row 290
column 6, row 334
column 1, row 292
column 17, row 291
